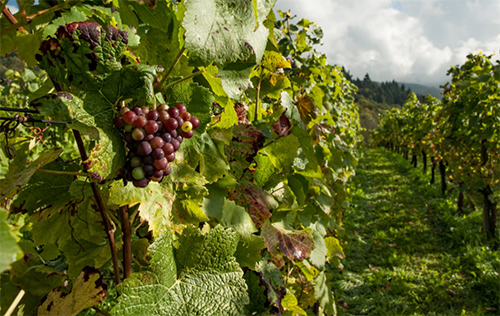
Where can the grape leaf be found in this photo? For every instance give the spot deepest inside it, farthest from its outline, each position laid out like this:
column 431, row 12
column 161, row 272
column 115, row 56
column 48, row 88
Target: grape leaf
column 248, row 253
column 290, row 304
column 323, row 294
column 155, row 202
column 45, row 189
column 282, row 152
column 8, row 244
column 334, row 248
column 213, row 164
column 235, row 77
column 306, row 162
column 257, row 201
column 34, row 277
column 208, row 281
column 229, row 34
column 264, row 170
column 235, row 216
column 293, row 244
column 88, row 290
column 272, row 279
column 63, row 106
column 258, row 297
column 19, row 174
column 26, row 45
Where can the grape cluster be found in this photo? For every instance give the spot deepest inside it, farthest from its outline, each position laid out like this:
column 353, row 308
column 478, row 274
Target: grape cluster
column 153, row 137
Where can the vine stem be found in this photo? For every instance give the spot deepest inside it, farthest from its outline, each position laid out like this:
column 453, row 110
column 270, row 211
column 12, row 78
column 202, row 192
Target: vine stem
column 183, row 79
column 100, row 205
column 30, row 18
column 62, row 173
column 127, row 241
column 177, row 59
column 12, row 19
column 257, row 102
column 15, row 303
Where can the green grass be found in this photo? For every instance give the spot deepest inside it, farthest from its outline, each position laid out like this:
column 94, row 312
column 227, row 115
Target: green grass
column 408, row 252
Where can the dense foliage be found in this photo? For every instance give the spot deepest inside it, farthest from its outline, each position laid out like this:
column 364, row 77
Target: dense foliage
column 461, row 132
column 248, row 220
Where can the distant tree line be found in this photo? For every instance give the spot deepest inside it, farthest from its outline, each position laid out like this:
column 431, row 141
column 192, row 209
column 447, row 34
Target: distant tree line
column 374, row 97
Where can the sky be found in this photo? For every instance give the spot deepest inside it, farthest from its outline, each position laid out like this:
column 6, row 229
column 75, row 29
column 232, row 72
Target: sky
column 414, row 41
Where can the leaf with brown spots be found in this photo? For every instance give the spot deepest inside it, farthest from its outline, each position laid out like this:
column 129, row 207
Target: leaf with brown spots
column 255, row 200
column 88, row 291
column 293, row 244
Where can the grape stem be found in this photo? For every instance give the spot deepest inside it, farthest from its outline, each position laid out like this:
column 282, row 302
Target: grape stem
column 100, row 205
column 127, row 241
column 183, row 79
column 162, row 82
column 257, row 102
column 29, row 19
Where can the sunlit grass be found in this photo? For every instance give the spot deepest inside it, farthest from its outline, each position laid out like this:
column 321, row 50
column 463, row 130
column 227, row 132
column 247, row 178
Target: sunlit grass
column 408, row 252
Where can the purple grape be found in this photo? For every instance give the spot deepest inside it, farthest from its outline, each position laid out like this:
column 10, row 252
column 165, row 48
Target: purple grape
column 187, row 134
column 179, row 138
column 129, row 117
column 157, row 142
column 119, row 122
column 176, row 144
column 128, row 137
column 140, row 121
column 142, row 183
column 144, row 148
column 158, row 154
column 148, row 169
column 166, row 137
column 137, row 110
column 148, row 159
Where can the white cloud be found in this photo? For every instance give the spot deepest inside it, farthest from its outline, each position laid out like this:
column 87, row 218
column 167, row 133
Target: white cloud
column 406, row 40
column 13, row 9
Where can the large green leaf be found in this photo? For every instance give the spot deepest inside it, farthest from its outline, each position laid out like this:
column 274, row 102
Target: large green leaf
column 282, row 152
column 8, row 244
column 207, row 281
column 19, row 174
column 225, row 31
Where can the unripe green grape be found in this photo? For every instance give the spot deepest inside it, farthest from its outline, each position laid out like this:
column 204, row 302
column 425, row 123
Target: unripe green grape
column 138, row 173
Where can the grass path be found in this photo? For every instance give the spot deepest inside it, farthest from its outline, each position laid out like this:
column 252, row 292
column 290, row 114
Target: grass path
column 408, row 252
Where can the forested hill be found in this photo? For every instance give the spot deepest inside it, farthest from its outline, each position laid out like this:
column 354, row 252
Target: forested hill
column 375, row 97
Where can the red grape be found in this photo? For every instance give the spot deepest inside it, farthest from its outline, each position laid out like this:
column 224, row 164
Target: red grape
column 181, row 107
column 148, row 159
column 162, row 107
column 151, row 126
column 187, row 134
column 173, row 112
column 186, row 116
column 171, row 124
column 170, row 157
column 140, row 121
column 148, row 169
column 145, row 109
column 163, row 116
column 129, row 117
column 168, row 149
column 195, row 121
column 152, row 115
column 167, row 170
column 166, row 137
column 157, row 142
column 161, row 164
